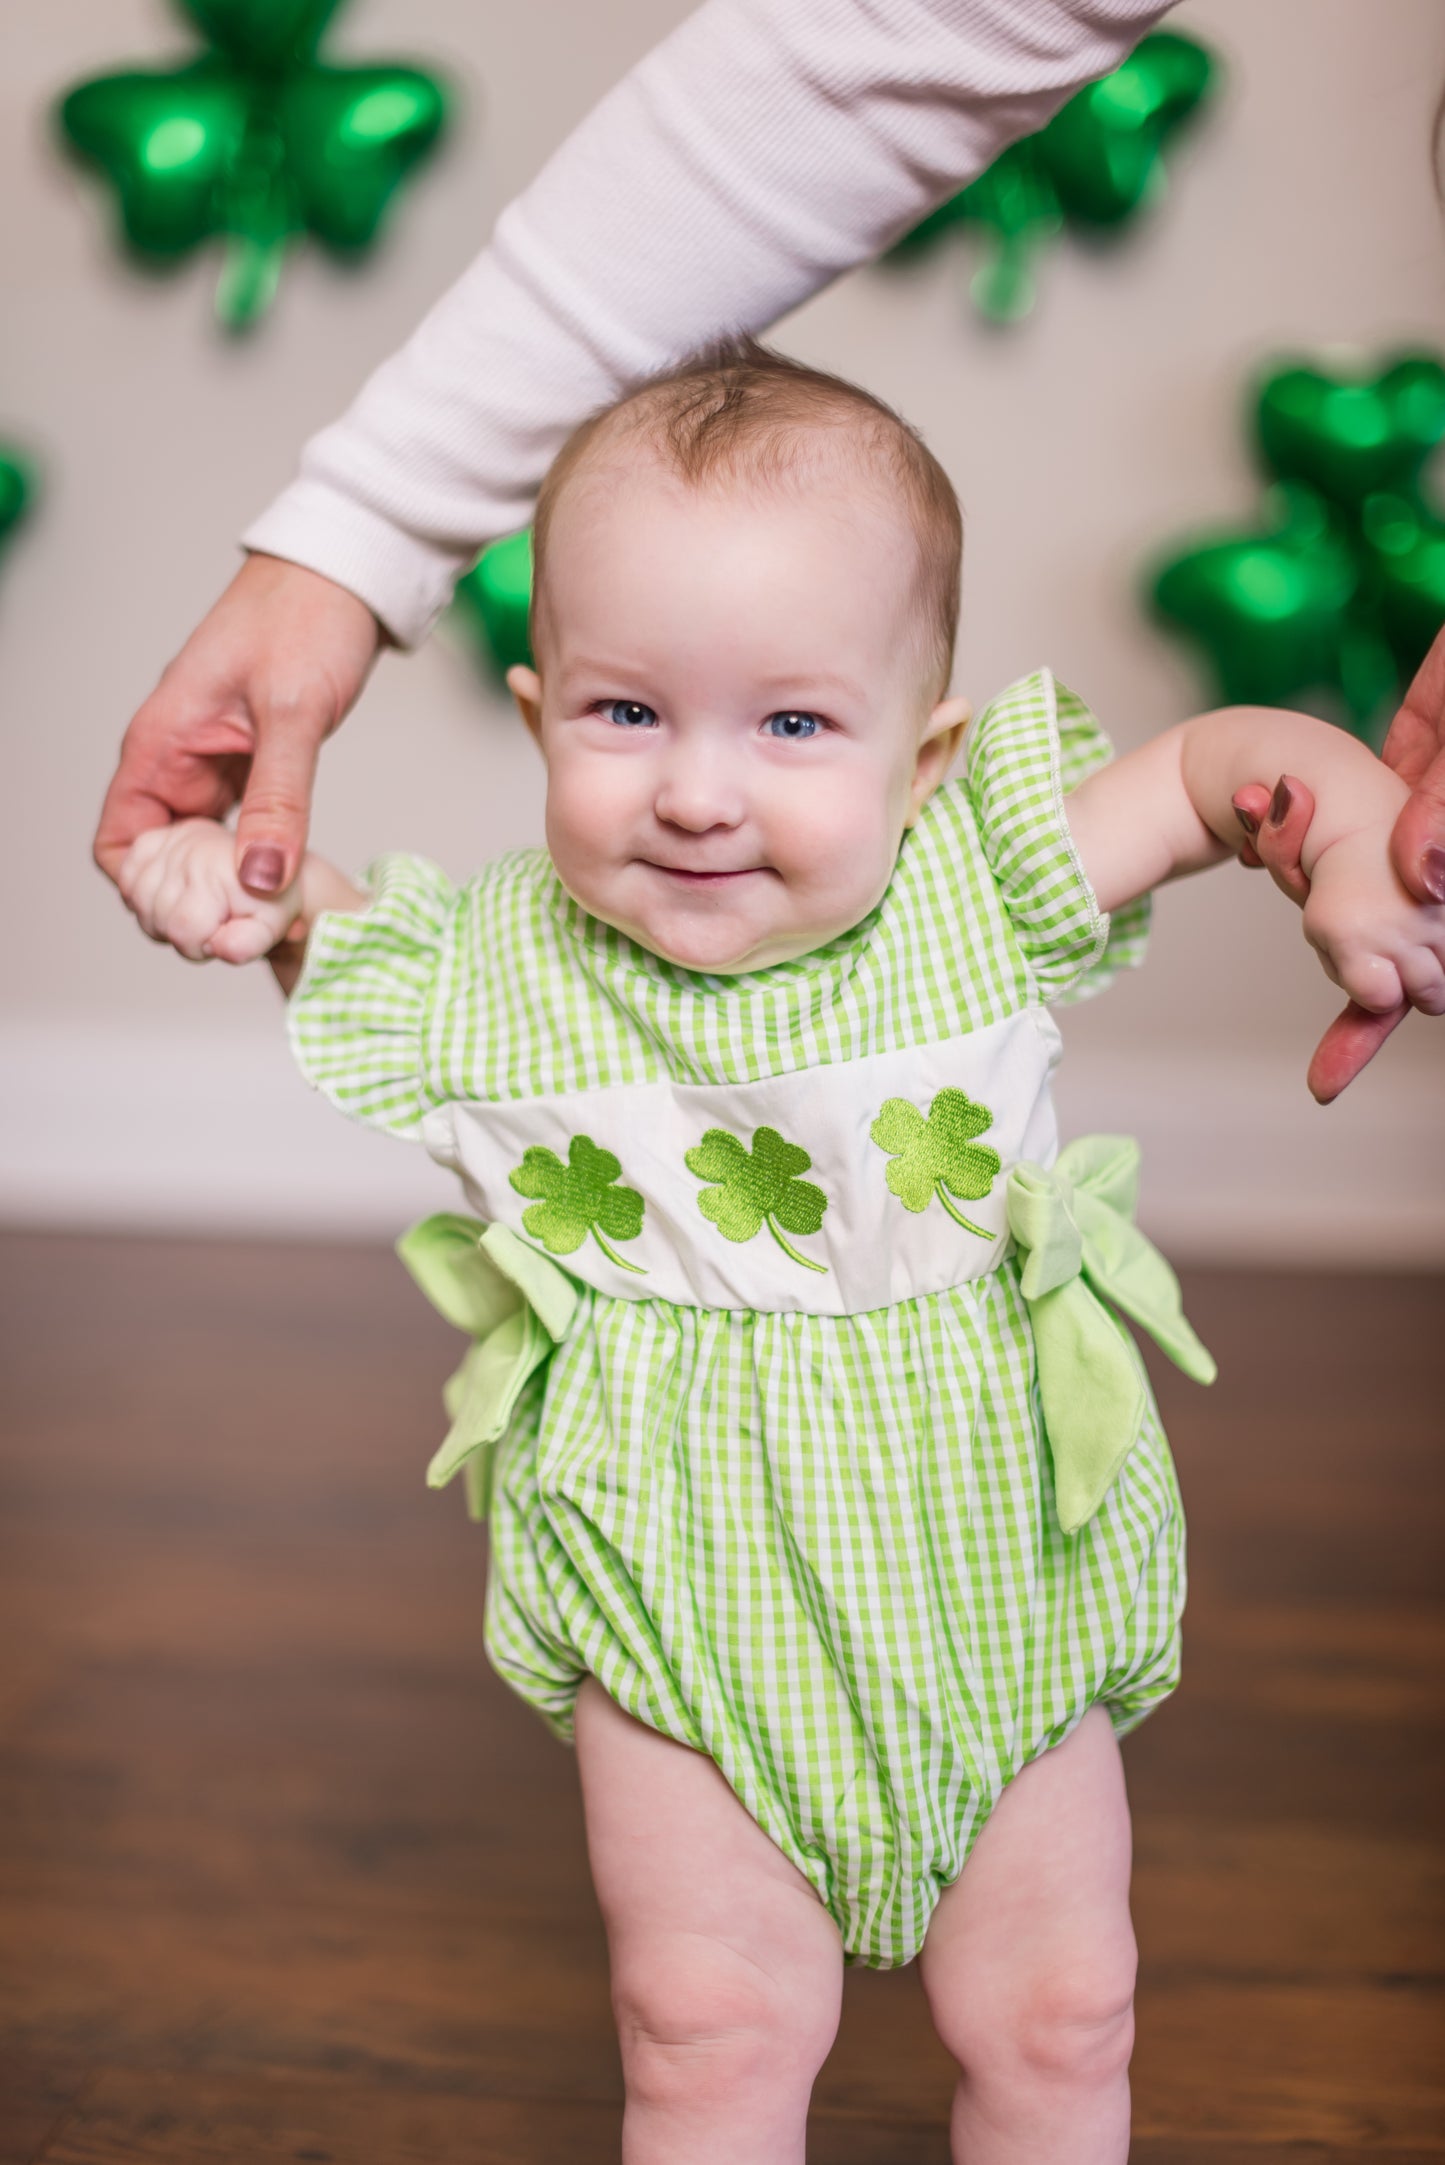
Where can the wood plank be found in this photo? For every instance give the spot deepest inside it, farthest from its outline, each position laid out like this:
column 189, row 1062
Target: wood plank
column 284, row 1870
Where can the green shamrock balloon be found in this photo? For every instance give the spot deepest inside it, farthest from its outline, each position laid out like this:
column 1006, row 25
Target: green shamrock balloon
column 496, row 597
column 1333, row 599
column 938, row 1156
column 578, row 1198
column 1405, row 544
column 1097, row 163
column 758, row 1188
column 1351, row 437
column 17, row 488
column 255, row 140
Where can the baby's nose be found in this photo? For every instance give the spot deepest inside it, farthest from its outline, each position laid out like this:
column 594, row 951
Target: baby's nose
column 698, row 793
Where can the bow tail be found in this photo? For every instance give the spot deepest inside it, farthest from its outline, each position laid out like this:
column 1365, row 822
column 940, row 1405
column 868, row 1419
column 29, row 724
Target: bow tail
column 1083, row 1258
column 1091, row 1393
column 481, row 1398
column 515, row 1305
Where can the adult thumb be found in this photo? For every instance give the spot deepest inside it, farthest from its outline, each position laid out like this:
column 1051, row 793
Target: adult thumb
column 276, row 809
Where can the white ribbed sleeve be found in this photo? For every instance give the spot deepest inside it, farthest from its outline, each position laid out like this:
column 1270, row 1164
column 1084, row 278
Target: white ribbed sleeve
column 762, row 149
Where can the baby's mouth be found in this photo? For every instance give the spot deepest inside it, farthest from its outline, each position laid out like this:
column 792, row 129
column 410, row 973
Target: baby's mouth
column 694, row 877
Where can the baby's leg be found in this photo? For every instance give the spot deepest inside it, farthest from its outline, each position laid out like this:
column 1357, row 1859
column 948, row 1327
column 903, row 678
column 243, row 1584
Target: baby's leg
column 726, row 1968
column 1029, row 1966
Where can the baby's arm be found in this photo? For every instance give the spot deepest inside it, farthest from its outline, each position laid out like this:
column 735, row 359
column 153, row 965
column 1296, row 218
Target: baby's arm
column 181, row 883
column 1166, row 809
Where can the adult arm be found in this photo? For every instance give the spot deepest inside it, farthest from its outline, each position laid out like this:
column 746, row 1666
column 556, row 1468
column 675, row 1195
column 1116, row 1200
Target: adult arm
column 762, row 149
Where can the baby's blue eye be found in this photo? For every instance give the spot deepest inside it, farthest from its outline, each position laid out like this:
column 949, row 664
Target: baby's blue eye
column 795, row 727
column 629, row 714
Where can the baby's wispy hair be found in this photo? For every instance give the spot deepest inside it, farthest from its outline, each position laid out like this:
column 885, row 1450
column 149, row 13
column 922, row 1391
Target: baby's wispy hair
column 738, row 410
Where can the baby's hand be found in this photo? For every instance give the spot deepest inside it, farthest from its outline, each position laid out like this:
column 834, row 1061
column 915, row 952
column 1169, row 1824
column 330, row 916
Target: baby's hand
column 181, row 883
column 1373, row 938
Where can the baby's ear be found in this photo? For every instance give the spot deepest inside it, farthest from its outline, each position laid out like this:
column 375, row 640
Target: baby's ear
column 937, row 751
column 525, row 686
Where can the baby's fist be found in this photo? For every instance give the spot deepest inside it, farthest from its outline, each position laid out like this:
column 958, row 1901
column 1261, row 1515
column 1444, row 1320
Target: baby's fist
column 1374, row 939
column 181, row 883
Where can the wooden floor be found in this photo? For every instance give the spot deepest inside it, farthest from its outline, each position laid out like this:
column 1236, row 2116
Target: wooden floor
column 286, row 1874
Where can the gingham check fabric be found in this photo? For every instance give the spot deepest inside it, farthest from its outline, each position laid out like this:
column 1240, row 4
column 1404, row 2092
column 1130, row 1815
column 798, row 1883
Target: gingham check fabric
column 823, row 1549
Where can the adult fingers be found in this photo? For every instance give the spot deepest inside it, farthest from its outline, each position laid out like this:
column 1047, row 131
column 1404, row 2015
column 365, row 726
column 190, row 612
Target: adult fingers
column 1349, row 1044
column 1280, row 833
column 282, row 656
column 1415, row 748
column 1251, row 808
column 177, row 761
column 1417, row 734
column 276, row 809
column 1417, row 845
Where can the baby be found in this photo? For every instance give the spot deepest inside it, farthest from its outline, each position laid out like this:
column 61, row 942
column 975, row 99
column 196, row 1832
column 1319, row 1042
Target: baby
column 829, row 1507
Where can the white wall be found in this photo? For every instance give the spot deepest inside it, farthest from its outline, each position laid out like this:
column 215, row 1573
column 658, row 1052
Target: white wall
column 1301, row 216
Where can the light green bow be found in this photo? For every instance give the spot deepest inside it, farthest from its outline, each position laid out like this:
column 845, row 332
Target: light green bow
column 514, row 1304
column 1075, row 1226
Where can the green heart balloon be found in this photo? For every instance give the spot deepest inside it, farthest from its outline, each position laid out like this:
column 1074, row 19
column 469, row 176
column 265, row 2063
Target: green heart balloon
column 496, row 596
column 17, row 490
column 256, row 141
column 1335, row 600
column 1098, row 162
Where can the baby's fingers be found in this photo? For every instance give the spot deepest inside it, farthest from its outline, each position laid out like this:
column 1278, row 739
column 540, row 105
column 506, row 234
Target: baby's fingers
column 243, row 939
column 1423, row 977
column 1369, row 978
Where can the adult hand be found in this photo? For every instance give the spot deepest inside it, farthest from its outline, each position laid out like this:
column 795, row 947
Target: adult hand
column 242, row 712
column 1275, row 825
column 1415, row 748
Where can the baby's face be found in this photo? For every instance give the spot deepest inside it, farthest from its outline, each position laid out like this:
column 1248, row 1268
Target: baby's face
column 731, row 708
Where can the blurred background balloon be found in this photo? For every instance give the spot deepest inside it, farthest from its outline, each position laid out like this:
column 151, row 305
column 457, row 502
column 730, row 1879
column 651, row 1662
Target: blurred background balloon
column 495, row 597
column 1096, row 164
column 1332, row 601
column 17, row 490
column 256, row 141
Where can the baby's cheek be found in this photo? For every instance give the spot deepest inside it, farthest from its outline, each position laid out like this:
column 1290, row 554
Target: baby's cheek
column 840, row 840
column 591, row 807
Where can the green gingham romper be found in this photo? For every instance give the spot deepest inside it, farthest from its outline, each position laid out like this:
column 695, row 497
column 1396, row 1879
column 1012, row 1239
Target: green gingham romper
column 783, row 1485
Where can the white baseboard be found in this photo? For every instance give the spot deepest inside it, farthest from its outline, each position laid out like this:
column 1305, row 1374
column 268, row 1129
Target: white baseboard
column 166, row 1130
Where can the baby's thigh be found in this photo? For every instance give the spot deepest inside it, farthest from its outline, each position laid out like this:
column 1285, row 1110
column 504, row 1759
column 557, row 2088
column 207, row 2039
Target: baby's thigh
column 1030, row 1953
column 712, row 1932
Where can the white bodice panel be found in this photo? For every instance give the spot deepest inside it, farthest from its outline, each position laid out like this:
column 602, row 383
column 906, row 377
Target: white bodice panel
column 874, row 1251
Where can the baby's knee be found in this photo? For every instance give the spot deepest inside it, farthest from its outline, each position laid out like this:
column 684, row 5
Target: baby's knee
column 700, row 2021
column 1071, row 2023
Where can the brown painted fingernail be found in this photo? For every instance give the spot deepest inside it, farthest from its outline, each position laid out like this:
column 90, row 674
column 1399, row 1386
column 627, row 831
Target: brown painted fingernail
column 262, row 867
column 1279, row 804
column 1246, row 820
column 1432, row 873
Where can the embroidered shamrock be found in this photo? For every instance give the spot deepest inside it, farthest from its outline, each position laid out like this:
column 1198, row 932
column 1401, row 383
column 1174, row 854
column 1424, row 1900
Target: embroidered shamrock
column 938, row 1156
column 578, row 1198
column 255, row 139
column 758, row 1188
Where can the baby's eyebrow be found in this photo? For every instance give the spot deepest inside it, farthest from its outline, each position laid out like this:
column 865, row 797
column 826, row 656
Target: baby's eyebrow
column 813, row 680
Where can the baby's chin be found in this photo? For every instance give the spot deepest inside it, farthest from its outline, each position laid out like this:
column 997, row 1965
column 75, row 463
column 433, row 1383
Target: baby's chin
column 714, row 942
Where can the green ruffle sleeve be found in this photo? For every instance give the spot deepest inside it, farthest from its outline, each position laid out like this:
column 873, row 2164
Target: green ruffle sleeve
column 358, row 1017
column 1026, row 751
